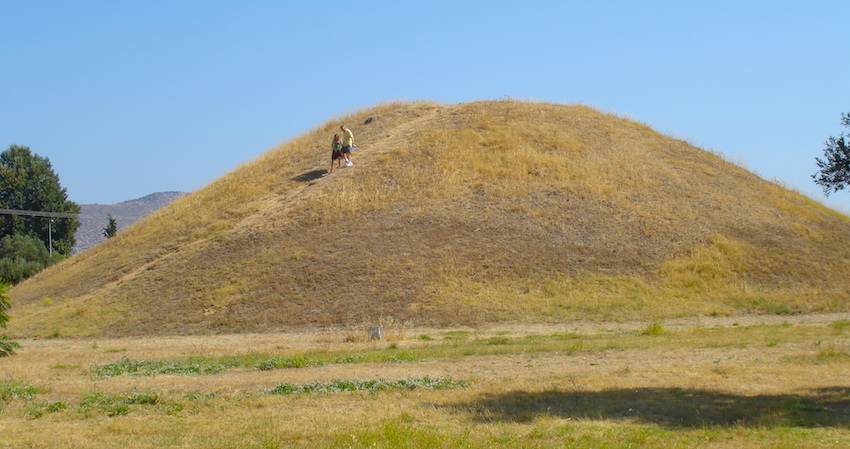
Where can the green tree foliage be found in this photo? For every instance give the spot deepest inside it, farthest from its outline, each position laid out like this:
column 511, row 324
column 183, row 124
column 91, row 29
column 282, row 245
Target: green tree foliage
column 27, row 182
column 111, row 227
column 834, row 170
column 21, row 256
column 7, row 347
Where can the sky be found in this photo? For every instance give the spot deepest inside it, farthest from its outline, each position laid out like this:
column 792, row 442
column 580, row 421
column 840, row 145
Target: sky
column 127, row 98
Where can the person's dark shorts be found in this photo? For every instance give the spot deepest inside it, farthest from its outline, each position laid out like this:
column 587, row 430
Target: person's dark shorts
column 336, row 154
column 346, row 149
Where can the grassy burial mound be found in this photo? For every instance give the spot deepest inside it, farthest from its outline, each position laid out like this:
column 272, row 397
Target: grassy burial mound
column 456, row 214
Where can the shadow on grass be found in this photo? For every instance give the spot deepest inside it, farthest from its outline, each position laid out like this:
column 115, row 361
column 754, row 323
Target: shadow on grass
column 670, row 407
column 310, row 176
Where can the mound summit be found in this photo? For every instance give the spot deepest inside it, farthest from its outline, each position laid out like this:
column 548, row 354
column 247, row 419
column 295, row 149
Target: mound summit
column 457, row 214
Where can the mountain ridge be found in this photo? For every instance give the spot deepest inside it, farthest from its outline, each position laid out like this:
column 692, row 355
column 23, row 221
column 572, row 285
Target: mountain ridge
column 94, row 217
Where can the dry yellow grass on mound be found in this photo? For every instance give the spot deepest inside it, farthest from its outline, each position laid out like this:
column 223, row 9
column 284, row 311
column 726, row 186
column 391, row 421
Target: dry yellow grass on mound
column 456, row 214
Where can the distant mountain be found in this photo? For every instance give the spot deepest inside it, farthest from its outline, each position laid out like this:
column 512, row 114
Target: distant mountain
column 94, row 217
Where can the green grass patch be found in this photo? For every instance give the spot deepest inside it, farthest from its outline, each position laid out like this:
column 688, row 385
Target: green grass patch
column 841, row 325
column 150, row 367
column 11, row 389
column 342, row 385
column 296, row 361
column 116, row 404
column 456, row 335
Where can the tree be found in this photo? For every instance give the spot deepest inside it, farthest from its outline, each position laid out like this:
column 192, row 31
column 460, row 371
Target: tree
column 21, row 256
column 834, row 169
column 111, row 227
column 7, row 347
column 27, row 182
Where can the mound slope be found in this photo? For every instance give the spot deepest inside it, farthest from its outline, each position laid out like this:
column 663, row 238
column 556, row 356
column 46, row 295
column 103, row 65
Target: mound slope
column 456, row 214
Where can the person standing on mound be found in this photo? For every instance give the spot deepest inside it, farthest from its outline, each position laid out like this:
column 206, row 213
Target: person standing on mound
column 347, row 144
column 336, row 152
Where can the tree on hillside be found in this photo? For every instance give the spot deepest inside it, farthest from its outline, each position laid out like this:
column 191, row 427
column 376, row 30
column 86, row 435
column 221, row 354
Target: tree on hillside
column 27, row 182
column 7, row 347
column 111, row 227
column 834, row 169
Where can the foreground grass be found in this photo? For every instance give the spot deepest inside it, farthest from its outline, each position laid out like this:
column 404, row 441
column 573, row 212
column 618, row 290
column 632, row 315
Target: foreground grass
column 744, row 386
column 455, row 345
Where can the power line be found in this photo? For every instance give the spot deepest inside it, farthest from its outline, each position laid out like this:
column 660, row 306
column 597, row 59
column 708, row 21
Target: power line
column 33, row 213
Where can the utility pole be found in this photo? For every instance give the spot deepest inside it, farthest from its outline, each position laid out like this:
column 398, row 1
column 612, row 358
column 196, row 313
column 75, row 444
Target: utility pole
column 35, row 213
column 50, row 237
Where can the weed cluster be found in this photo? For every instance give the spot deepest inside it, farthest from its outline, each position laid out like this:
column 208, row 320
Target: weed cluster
column 116, row 404
column 152, row 367
column 17, row 389
column 341, row 385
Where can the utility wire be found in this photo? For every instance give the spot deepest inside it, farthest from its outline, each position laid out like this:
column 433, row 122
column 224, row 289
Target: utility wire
column 34, row 213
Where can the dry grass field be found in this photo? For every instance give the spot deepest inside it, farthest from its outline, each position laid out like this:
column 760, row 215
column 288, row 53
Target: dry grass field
column 751, row 382
column 465, row 214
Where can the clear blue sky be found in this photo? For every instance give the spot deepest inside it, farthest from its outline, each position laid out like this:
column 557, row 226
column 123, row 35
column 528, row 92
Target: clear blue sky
column 128, row 98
